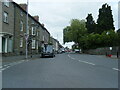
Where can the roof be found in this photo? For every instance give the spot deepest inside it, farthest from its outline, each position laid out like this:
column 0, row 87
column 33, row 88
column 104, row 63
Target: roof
column 30, row 16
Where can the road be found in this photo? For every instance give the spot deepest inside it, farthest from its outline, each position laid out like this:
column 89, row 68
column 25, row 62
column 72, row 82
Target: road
column 64, row 71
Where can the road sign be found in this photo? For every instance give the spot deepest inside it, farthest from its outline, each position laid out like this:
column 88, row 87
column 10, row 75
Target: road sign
column 26, row 36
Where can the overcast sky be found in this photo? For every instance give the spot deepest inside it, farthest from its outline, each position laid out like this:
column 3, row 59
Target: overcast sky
column 56, row 14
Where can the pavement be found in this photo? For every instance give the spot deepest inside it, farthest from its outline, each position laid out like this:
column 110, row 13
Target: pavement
column 11, row 59
column 63, row 71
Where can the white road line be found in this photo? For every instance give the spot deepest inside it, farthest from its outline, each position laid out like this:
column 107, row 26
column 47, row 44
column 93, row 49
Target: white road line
column 116, row 69
column 12, row 64
column 0, row 66
column 87, row 62
column 81, row 60
column 71, row 57
column 68, row 55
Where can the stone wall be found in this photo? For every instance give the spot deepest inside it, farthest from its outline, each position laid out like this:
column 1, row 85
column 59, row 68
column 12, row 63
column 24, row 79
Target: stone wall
column 103, row 51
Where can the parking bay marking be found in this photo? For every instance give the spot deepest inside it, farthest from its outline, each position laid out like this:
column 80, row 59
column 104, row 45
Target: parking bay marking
column 4, row 67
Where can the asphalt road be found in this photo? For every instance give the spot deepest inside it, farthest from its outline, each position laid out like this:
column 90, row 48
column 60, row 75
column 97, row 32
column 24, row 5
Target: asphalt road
column 63, row 71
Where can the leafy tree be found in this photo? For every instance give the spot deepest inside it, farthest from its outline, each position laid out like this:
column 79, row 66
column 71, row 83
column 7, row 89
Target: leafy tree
column 75, row 31
column 105, row 19
column 90, row 24
column 78, row 28
column 67, row 34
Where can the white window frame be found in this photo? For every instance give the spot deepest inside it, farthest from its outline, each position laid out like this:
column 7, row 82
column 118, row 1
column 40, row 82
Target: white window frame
column 33, row 31
column 5, row 14
column 6, row 3
column 33, row 43
column 21, row 25
column 21, row 42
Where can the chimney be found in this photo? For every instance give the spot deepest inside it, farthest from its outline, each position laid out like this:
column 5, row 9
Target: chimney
column 36, row 18
column 43, row 25
column 23, row 6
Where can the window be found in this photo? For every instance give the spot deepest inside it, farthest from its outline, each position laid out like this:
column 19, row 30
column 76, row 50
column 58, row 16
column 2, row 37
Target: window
column 21, row 42
column 21, row 25
column 37, row 33
column 33, row 31
column 33, row 44
column 6, row 3
column 37, row 45
column 21, row 13
column 5, row 17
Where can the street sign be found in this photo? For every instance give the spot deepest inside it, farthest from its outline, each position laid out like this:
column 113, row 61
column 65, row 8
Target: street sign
column 26, row 36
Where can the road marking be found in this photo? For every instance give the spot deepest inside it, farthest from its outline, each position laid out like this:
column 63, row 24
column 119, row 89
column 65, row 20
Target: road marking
column 0, row 67
column 81, row 60
column 71, row 57
column 4, row 67
column 116, row 69
column 86, row 62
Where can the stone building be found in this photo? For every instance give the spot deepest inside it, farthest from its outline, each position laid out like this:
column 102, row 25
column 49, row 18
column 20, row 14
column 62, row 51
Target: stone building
column 14, row 30
column 6, row 27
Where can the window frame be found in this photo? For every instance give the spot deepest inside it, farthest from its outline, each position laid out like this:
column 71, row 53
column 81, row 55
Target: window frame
column 33, row 31
column 21, row 26
column 5, row 17
column 33, row 43
column 21, row 42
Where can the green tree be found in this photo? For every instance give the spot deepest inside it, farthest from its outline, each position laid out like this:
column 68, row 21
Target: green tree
column 75, row 31
column 105, row 19
column 67, row 34
column 90, row 24
column 78, row 28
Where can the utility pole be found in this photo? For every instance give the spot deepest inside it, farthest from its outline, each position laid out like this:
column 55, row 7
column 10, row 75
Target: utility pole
column 26, row 34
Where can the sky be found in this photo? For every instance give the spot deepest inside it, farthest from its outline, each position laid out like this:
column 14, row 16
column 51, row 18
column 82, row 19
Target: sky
column 56, row 14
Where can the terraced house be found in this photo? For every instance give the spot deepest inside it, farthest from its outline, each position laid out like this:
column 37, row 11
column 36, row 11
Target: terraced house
column 13, row 28
column 6, row 27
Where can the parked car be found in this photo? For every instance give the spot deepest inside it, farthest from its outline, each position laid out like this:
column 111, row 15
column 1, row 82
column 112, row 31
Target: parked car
column 77, row 51
column 48, row 51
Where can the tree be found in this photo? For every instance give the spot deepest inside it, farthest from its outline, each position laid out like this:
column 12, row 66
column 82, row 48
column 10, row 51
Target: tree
column 67, row 34
column 90, row 24
column 105, row 19
column 75, row 31
column 78, row 28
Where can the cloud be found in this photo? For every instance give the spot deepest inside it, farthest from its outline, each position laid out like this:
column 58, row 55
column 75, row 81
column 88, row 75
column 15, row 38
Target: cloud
column 56, row 14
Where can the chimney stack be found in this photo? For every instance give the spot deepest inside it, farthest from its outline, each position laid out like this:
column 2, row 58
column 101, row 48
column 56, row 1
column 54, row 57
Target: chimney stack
column 43, row 25
column 36, row 18
column 23, row 6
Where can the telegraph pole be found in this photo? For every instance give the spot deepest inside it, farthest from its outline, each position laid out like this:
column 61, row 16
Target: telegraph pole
column 26, row 34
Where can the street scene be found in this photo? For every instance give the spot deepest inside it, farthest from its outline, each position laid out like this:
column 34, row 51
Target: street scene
column 59, row 44
column 67, row 70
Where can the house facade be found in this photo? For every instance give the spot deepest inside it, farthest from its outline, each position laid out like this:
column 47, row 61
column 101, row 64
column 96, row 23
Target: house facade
column 6, row 27
column 15, row 29
column 38, row 34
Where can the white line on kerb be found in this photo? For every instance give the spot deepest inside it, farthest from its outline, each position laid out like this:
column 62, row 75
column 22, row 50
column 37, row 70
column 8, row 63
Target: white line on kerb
column 115, row 69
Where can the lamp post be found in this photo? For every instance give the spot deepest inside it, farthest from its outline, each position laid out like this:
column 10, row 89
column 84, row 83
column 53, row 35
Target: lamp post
column 26, row 34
